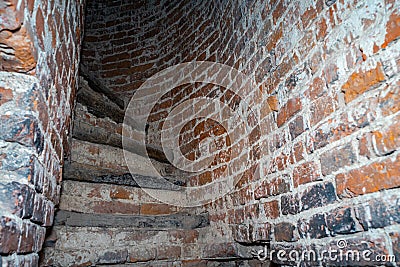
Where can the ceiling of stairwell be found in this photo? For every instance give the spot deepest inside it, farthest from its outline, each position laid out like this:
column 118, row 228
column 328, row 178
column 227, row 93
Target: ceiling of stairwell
column 127, row 42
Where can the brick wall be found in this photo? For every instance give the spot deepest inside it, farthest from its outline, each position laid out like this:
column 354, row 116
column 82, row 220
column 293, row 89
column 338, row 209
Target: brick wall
column 324, row 151
column 328, row 163
column 39, row 55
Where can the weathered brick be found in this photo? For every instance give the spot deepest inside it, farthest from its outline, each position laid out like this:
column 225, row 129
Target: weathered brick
column 334, row 129
column 156, row 209
column 297, row 152
column 297, row 127
column 24, row 130
column 315, row 227
column 290, row 204
column 387, row 140
column 27, row 238
column 272, row 187
column 241, row 233
column 395, row 237
column 337, row 158
column 262, row 232
column 362, row 80
column 292, row 107
column 341, row 221
column 369, row 178
column 389, row 101
column 6, row 95
column 379, row 213
column 305, row 173
column 271, row 209
column 317, row 89
column 117, row 256
column 141, row 254
column 185, row 236
column 116, row 207
column 318, row 195
column 219, row 250
column 9, row 235
column 392, row 29
column 322, row 108
column 285, row 232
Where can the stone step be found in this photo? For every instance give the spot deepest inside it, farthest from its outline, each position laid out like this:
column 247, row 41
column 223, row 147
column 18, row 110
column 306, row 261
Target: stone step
column 108, row 160
column 100, row 198
column 91, row 246
column 87, row 173
column 154, row 222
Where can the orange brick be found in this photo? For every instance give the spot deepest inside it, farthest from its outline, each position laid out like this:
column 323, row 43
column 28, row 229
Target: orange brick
column 361, row 81
column 120, row 193
column 273, row 102
column 388, row 140
column 5, row 95
column 156, row 209
column 370, row 178
column 392, row 29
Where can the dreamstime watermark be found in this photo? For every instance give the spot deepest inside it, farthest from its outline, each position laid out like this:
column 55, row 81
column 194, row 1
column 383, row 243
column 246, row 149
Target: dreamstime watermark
column 338, row 253
column 238, row 121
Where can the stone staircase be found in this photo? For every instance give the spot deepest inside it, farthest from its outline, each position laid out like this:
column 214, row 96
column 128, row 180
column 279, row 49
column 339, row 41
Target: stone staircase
column 105, row 218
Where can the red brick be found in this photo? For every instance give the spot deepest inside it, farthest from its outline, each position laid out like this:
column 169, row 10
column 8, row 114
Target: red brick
column 370, row 178
column 365, row 146
column 362, row 80
column 115, row 207
column 274, row 187
column 271, row 209
column 9, row 234
column 278, row 11
column 308, row 16
column 317, row 88
column 185, row 236
column 297, row 152
column 305, row 173
column 297, row 127
column 321, row 108
column 275, row 37
column 261, row 232
column 273, row 102
column 285, row 232
column 291, row 108
column 321, row 29
column 314, row 227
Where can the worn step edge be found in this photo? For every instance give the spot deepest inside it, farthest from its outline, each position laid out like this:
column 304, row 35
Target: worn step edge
column 86, row 173
column 105, row 156
column 173, row 221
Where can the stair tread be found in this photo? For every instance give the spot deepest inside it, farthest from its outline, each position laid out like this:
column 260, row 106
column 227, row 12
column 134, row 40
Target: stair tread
column 86, row 173
column 172, row 221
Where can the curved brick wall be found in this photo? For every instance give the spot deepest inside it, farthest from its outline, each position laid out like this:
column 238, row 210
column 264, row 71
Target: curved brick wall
column 125, row 43
column 39, row 56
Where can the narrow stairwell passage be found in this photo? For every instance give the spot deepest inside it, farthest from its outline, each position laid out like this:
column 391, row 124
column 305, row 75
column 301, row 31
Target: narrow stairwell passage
column 215, row 133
